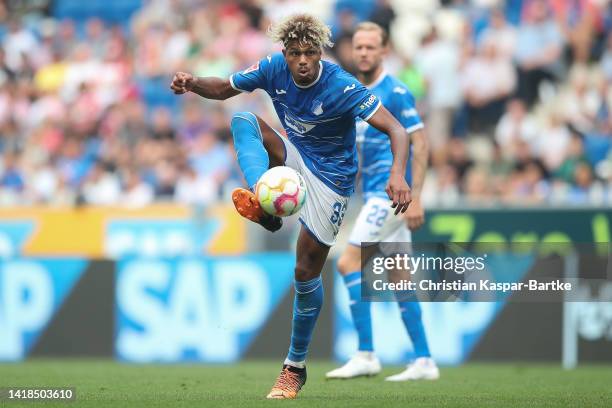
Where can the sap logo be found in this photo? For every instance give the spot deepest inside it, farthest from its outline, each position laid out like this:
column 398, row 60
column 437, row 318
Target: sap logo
column 194, row 310
column 157, row 238
column 399, row 90
column 26, row 305
column 30, row 292
column 13, row 236
column 369, row 102
column 298, row 126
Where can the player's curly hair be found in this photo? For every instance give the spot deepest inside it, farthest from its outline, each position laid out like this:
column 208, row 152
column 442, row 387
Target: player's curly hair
column 303, row 28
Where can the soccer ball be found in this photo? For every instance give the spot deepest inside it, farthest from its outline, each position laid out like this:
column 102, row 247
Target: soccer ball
column 281, row 191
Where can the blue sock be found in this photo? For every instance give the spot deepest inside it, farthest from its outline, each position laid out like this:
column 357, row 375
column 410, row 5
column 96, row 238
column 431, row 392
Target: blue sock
column 306, row 308
column 248, row 143
column 360, row 311
column 411, row 315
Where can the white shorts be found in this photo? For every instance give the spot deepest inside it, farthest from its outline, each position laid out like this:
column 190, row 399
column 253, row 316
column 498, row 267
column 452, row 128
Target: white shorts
column 378, row 223
column 323, row 209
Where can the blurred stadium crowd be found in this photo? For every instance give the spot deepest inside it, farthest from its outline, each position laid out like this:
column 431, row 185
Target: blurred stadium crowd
column 516, row 96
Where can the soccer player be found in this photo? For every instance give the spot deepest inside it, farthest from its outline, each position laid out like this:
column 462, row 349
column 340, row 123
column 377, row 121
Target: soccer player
column 317, row 103
column 375, row 223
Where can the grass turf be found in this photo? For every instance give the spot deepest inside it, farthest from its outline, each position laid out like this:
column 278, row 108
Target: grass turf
column 102, row 383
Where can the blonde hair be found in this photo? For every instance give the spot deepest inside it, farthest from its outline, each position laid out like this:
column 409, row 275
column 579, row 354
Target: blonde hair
column 303, row 28
column 370, row 26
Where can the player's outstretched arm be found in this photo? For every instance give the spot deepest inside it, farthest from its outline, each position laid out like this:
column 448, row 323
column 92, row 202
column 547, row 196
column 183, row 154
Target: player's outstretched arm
column 206, row 87
column 397, row 187
column 420, row 154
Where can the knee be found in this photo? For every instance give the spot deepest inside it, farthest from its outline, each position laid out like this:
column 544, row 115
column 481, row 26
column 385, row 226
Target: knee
column 346, row 265
column 305, row 272
column 243, row 119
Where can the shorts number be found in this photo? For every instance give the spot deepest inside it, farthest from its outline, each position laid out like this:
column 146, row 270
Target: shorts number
column 377, row 216
column 338, row 215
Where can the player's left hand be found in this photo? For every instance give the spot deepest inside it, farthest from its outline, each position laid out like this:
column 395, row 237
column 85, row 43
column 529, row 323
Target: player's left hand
column 398, row 192
column 415, row 215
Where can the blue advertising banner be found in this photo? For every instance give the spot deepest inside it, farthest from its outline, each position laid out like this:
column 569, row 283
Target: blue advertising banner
column 196, row 309
column 31, row 292
column 451, row 335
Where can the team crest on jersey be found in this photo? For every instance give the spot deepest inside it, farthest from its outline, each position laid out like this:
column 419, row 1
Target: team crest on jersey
column 317, row 107
column 252, row 68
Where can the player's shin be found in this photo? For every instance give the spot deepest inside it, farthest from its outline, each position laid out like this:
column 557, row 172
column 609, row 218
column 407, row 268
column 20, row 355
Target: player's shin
column 248, row 143
column 306, row 308
column 360, row 311
column 411, row 316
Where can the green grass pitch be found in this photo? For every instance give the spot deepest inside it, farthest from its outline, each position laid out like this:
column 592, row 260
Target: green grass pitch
column 102, row 383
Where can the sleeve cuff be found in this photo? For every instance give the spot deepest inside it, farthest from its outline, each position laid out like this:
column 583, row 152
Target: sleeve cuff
column 233, row 85
column 414, row 128
column 373, row 112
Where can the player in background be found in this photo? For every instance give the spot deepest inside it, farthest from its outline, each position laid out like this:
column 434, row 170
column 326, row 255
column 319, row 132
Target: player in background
column 317, row 103
column 375, row 222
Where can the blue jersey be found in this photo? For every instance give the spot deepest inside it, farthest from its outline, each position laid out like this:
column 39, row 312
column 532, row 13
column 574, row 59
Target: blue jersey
column 376, row 153
column 319, row 119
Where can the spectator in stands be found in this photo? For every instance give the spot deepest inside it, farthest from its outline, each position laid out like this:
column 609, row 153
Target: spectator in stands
column 528, row 184
column 136, row 193
column 516, row 125
column 586, row 189
column 500, row 33
column 606, row 58
column 438, row 61
column 383, row 14
column 487, row 80
column 538, row 50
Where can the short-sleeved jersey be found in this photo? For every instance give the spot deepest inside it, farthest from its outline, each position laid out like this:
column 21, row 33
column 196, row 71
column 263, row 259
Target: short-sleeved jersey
column 376, row 156
column 319, row 119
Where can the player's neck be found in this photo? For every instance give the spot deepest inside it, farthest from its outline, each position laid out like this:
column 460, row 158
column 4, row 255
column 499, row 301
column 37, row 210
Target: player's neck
column 368, row 78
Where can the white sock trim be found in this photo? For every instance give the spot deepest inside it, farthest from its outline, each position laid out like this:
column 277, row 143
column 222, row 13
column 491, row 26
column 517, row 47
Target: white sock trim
column 296, row 364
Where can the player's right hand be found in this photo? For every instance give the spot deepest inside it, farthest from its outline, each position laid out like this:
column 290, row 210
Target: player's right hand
column 182, row 83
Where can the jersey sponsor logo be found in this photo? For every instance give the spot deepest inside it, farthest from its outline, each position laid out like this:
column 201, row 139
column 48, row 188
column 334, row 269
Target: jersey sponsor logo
column 409, row 112
column 317, row 107
column 297, row 125
column 348, row 88
column 280, row 91
column 399, row 90
column 269, row 57
column 252, row 68
column 368, row 103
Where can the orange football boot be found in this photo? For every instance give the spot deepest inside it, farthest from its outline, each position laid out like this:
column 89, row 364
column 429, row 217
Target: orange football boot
column 289, row 382
column 247, row 205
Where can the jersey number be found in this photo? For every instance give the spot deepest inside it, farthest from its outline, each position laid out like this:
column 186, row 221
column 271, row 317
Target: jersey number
column 377, row 216
column 338, row 215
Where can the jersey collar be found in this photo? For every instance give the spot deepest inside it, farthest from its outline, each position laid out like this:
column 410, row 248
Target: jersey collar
column 313, row 82
column 378, row 80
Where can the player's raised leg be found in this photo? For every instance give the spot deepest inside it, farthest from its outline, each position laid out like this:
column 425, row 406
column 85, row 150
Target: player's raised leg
column 364, row 362
column 258, row 148
column 311, row 255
